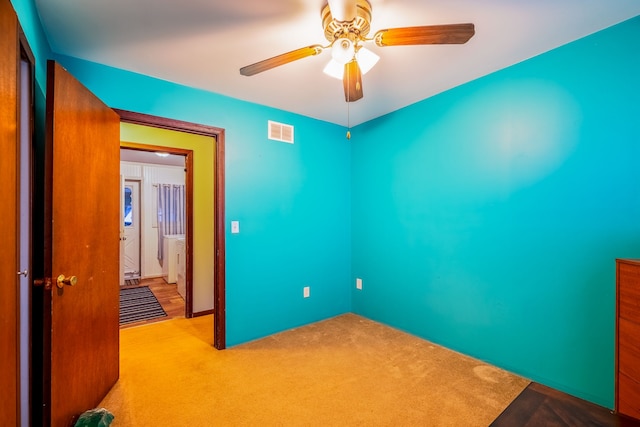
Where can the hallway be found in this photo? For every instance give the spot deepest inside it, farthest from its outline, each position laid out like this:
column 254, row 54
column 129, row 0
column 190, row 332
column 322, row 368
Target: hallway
column 168, row 297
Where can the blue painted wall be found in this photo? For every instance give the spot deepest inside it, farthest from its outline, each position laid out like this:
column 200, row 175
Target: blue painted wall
column 292, row 200
column 488, row 218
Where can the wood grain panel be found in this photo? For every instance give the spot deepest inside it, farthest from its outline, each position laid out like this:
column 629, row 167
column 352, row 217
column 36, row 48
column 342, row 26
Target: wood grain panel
column 629, row 348
column 84, row 136
column 9, row 366
column 629, row 400
column 629, row 291
column 627, row 360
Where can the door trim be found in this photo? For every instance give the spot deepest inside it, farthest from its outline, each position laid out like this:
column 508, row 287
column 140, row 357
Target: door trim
column 9, row 175
column 219, row 312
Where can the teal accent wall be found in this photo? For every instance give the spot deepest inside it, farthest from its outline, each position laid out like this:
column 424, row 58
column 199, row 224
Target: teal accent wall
column 488, row 218
column 292, row 200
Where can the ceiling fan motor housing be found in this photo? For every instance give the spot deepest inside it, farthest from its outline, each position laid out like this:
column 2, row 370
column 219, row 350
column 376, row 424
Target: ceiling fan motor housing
column 355, row 30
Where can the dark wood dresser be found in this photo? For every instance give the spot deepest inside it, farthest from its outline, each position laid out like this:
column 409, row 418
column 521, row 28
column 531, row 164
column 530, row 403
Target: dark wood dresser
column 628, row 337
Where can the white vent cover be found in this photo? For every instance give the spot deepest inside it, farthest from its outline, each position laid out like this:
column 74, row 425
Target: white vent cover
column 280, row 132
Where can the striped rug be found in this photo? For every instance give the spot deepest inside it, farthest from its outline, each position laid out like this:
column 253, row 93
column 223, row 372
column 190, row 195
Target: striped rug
column 138, row 304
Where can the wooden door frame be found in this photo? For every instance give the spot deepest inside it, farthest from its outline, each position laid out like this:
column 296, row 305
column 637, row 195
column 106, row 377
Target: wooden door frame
column 9, row 175
column 217, row 134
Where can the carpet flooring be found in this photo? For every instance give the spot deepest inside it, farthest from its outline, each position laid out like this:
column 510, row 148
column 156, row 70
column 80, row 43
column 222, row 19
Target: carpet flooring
column 138, row 304
column 344, row 371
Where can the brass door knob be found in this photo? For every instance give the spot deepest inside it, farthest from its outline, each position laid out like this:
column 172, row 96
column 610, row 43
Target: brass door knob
column 69, row 281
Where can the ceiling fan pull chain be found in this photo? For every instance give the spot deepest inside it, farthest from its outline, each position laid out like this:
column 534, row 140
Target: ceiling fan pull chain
column 348, row 102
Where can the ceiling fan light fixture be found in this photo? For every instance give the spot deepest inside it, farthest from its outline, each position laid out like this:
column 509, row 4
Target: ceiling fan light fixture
column 366, row 59
column 334, row 69
column 342, row 50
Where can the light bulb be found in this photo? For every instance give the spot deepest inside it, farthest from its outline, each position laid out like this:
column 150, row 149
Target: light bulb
column 366, row 60
column 342, row 50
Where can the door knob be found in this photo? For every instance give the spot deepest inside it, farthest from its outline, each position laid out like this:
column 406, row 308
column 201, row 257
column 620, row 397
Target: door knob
column 69, row 281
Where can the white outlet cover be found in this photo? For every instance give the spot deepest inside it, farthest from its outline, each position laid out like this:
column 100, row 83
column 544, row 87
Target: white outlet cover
column 235, row 227
column 306, row 292
column 358, row 283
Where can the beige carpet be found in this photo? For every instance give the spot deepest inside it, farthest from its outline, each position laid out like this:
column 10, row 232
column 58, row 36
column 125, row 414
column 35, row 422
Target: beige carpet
column 345, row 371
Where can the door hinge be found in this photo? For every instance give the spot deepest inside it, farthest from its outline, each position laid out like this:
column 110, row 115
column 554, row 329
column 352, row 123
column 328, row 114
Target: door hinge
column 46, row 283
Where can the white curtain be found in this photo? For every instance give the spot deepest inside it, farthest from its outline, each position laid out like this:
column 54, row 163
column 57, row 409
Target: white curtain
column 170, row 213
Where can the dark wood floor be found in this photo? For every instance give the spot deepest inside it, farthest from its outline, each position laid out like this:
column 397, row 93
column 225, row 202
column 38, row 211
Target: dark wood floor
column 541, row 406
column 168, row 297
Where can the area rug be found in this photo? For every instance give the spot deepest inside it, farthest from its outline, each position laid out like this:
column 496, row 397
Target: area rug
column 138, row 304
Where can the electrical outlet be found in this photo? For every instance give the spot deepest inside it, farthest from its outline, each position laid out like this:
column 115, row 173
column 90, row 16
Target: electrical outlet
column 306, row 292
column 359, row 284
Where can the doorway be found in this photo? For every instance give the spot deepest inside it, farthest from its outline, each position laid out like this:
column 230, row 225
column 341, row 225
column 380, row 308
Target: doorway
column 216, row 259
column 154, row 219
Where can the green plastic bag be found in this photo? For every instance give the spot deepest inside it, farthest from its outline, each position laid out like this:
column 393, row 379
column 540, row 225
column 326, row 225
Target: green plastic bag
column 98, row 417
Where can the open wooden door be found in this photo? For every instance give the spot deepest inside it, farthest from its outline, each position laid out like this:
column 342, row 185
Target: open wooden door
column 82, row 217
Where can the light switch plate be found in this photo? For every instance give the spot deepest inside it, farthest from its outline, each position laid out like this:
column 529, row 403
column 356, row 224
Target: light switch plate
column 358, row 283
column 235, row 227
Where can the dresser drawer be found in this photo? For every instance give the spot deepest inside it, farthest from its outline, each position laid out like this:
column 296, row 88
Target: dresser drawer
column 629, row 291
column 629, row 348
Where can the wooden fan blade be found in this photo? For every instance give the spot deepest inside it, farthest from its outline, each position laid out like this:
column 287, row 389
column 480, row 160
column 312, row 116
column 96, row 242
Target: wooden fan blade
column 431, row 34
column 352, row 82
column 343, row 10
column 276, row 61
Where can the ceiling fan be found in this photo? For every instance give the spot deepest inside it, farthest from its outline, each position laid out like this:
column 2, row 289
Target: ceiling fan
column 346, row 25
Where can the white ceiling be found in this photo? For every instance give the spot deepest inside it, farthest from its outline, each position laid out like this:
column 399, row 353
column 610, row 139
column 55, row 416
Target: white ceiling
column 140, row 156
column 203, row 43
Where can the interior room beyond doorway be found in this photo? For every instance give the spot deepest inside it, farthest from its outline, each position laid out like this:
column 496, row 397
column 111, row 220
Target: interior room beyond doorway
column 200, row 151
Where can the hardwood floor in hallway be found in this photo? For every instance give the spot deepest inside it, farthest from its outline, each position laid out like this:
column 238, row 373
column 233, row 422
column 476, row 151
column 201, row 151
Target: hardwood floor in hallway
column 168, row 297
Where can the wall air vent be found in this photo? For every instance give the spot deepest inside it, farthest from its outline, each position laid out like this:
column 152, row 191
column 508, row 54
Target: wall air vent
column 280, row 132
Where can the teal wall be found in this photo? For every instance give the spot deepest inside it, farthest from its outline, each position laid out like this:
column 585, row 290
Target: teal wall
column 292, row 200
column 488, row 218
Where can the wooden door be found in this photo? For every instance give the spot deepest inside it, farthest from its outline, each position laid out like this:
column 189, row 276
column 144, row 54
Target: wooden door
column 81, row 240
column 9, row 388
